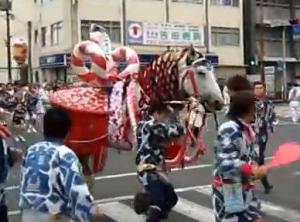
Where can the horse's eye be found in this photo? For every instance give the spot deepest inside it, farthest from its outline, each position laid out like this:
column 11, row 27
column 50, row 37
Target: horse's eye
column 201, row 72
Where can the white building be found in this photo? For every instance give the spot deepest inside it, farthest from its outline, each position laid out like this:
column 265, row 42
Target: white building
column 59, row 24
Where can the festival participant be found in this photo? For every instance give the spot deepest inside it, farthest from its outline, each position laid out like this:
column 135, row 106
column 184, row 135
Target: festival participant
column 226, row 99
column 19, row 115
column 238, row 83
column 235, row 170
column 40, row 106
column 264, row 123
column 197, row 118
column 294, row 99
column 153, row 133
column 8, row 157
column 52, row 185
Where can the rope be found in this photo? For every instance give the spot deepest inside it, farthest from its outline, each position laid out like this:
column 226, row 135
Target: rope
column 88, row 141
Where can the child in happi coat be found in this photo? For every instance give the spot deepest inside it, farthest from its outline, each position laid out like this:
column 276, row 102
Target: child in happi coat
column 153, row 134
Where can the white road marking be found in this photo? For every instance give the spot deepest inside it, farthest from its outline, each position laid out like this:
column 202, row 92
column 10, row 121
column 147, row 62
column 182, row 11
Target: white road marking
column 14, row 213
column 296, row 173
column 121, row 175
column 125, row 197
column 128, row 197
column 284, row 213
column 105, row 177
column 194, row 211
column 121, row 212
column 284, row 123
column 186, row 207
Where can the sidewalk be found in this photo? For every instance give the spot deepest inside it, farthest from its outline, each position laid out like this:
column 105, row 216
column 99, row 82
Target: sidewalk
column 282, row 110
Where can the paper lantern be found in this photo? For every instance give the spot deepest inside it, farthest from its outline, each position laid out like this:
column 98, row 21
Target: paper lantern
column 20, row 51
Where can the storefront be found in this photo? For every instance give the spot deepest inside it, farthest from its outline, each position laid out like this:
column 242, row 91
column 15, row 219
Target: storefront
column 54, row 67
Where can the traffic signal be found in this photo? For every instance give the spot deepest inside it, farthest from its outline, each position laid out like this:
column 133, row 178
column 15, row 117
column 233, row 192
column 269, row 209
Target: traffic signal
column 252, row 61
column 252, row 65
column 295, row 21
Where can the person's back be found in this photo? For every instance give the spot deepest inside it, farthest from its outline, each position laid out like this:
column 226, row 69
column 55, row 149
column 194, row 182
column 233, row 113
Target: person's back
column 52, row 181
column 47, row 171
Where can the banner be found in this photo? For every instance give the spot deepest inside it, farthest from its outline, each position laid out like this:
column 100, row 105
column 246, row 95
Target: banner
column 164, row 34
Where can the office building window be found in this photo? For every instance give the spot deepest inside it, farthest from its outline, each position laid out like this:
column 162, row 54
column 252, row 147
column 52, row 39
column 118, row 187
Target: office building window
column 189, row 1
column 225, row 36
column 56, row 33
column 43, row 36
column 234, row 3
column 36, row 36
column 113, row 29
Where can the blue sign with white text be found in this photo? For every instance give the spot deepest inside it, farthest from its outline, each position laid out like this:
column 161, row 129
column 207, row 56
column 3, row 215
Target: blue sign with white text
column 296, row 31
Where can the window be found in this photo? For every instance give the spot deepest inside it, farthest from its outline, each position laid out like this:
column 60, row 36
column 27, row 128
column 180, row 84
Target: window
column 225, row 36
column 113, row 29
column 56, row 29
column 36, row 36
column 43, row 35
column 189, row 1
column 234, row 3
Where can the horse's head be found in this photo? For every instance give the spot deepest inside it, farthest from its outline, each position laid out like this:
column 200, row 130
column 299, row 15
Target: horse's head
column 99, row 35
column 197, row 78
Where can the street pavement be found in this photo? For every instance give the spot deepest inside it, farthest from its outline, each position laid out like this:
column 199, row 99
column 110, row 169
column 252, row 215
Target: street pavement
column 115, row 186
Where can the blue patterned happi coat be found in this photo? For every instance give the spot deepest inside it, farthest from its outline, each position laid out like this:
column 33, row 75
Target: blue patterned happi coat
column 52, row 182
column 235, row 146
column 264, row 119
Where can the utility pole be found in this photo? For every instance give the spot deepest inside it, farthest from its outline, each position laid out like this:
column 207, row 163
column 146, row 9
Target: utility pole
column 167, row 18
column 8, row 44
column 29, row 30
column 284, row 62
column 167, row 11
column 207, row 26
column 124, row 21
column 262, row 42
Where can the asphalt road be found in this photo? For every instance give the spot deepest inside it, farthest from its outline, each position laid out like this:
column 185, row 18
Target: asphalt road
column 115, row 186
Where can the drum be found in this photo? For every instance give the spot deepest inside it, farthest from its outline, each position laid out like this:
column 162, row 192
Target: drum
column 88, row 108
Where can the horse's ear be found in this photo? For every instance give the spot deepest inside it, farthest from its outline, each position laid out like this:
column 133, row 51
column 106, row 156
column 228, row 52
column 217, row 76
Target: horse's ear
column 192, row 50
column 191, row 55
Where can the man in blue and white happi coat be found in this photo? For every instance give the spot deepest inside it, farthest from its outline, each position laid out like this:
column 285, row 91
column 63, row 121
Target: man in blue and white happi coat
column 265, row 118
column 153, row 135
column 52, row 186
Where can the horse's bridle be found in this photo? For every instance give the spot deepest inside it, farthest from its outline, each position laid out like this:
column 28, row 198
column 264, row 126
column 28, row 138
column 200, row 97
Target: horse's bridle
column 191, row 74
column 196, row 88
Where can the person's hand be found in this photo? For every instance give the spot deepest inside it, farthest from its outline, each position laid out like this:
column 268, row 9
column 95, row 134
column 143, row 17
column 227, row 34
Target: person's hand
column 259, row 172
column 4, row 132
column 98, row 211
column 17, row 154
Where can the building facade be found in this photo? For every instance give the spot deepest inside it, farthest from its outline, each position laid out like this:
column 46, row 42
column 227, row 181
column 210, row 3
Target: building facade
column 58, row 25
column 270, row 41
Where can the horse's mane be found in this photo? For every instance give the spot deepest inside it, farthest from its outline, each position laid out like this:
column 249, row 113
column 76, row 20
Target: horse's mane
column 159, row 80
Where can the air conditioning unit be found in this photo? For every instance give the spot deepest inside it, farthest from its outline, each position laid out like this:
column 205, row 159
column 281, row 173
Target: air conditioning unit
column 5, row 5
